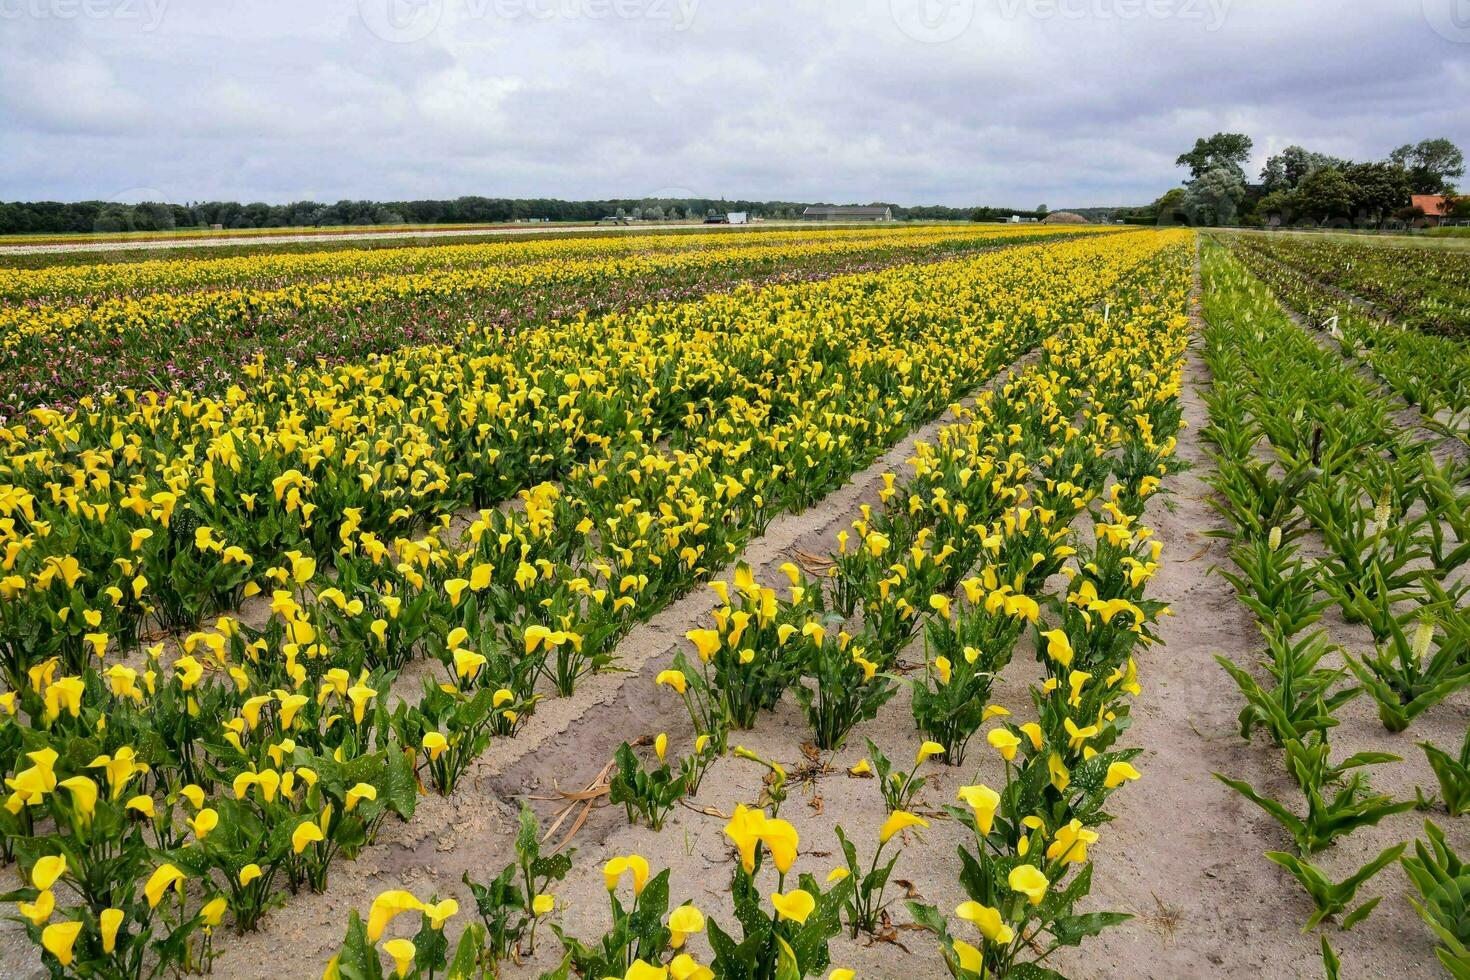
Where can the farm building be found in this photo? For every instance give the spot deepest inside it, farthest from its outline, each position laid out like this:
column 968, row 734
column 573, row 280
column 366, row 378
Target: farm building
column 1433, row 206
column 848, row 214
column 1064, row 218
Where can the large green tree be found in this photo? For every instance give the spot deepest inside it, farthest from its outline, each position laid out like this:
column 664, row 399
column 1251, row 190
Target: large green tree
column 1213, row 198
column 1285, row 170
column 1378, row 189
column 1229, row 151
column 1325, row 195
column 1433, row 165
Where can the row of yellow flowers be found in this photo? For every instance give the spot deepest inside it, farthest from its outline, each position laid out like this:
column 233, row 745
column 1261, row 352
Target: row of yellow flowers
column 88, row 282
column 164, row 308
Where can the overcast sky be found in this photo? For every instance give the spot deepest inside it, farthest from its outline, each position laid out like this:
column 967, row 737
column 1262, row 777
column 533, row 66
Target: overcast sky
column 960, row 102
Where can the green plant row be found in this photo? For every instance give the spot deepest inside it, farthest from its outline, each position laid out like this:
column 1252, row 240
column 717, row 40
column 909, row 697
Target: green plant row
column 1426, row 289
column 1430, row 372
column 1316, row 419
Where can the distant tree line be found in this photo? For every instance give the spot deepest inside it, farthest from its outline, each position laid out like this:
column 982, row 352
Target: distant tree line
column 1005, row 214
column 1299, row 186
column 52, row 217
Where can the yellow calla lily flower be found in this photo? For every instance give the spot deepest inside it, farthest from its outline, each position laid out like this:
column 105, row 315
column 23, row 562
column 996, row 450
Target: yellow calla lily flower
column 402, row 951
column 1119, row 773
column 795, row 906
column 684, row 921
column 674, row 679
column 163, row 878
column 47, row 869
column 1030, row 882
column 39, row 911
column 984, row 801
column 927, row 751
column 109, row 922
column 307, row 832
column 988, row 920
column 385, row 908
column 1004, row 742
column 899, row 820
column 59, row 938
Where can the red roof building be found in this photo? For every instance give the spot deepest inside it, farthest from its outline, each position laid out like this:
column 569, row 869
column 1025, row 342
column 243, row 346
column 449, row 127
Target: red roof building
column 1434, row 206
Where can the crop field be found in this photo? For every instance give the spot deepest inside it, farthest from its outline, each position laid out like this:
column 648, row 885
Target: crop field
column 975, row 601
column 72, row 332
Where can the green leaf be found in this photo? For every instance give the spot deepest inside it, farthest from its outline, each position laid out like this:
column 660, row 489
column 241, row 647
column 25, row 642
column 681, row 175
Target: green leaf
column 723, row 946
column 1071, row 930
column 527, row 843
column 400, row 788
column 1360, row 913
column 1330, row 963
column 553, row 867
column 1032, row 971
column 646, row 922
column 358, row 960
column 430, row 947
column 928, row 917
column 787, row 967
column 1287, row 819
column 562, row 972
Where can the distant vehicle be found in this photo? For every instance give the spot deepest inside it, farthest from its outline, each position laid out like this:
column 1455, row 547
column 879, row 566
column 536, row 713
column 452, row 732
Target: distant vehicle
column 717, row 219
column 615, row 220
column 738, row 217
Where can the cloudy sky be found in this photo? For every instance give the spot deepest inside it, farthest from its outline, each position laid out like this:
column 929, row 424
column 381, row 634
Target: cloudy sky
column 960, row 102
